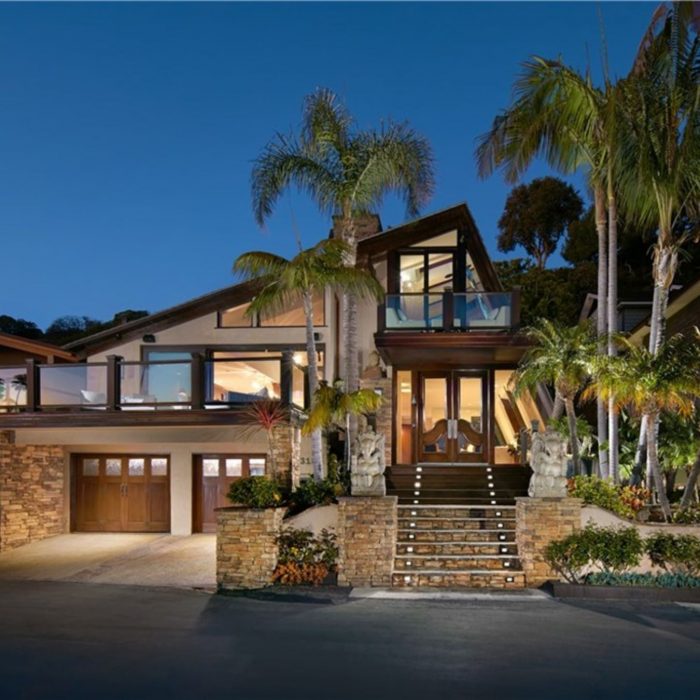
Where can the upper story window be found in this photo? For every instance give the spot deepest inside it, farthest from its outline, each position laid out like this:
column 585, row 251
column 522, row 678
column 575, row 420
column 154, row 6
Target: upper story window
column 294, row 317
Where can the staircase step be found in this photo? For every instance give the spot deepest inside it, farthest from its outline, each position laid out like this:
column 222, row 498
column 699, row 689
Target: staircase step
column 451, row 535
column 452, row 511
column 461, row 548
column 483, row 562
column 460, row 579
column 456, row 524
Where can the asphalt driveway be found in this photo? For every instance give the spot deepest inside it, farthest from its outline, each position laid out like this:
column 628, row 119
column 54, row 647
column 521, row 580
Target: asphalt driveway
column 127, row 559
column 72, row 640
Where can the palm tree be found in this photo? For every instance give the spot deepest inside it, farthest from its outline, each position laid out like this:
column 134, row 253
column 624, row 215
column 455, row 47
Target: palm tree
column 561, row 115
column 650, row 382
column 285, row 282
column 348, row 173
column 334, row 406
column 561, row 356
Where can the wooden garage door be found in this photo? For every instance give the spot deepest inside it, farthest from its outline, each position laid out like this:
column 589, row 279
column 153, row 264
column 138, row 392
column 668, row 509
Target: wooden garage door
column 213, row 475
column 121, row 493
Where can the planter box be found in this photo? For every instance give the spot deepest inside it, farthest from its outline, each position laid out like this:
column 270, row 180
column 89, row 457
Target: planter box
column 582, row 591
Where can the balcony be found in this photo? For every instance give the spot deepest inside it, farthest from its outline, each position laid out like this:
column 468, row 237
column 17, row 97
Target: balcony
column 450, row 311
column 119, row 392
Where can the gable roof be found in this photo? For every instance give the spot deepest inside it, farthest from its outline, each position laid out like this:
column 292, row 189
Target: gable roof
column 457, row 217
column 35, row 347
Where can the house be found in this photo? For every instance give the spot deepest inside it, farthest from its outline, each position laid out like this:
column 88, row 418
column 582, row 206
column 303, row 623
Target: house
column 148, row 429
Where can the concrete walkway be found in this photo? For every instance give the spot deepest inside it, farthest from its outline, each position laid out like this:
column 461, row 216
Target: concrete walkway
column 128, row 559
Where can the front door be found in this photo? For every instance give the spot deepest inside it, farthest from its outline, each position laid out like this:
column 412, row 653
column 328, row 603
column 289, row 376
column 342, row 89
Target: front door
column 122, row 493
column 452, row 425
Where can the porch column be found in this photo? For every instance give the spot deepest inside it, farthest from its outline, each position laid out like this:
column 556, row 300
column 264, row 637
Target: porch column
column 181, row 491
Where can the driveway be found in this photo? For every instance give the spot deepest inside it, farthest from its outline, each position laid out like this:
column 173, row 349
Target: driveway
column 72, row 640
column 131, row 559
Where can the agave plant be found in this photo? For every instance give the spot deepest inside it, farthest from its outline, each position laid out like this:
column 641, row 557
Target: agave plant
column 267, row 415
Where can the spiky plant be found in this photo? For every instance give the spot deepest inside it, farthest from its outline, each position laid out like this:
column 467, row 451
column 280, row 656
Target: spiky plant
column 267, row 415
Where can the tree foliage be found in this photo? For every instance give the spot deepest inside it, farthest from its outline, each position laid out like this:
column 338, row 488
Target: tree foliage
column 537, row 215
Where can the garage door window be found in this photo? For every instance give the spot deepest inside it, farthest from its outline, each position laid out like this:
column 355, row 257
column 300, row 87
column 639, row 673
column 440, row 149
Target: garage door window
column 91, row 467
column 113, row 467
column 210, row 467
column 159, row 466
column 136, row 467
column 234, row 467
column 257, row 466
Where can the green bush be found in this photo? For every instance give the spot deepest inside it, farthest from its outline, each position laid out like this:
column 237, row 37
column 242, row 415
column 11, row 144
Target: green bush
column 303, row 547
column 256, row 492
column 677, row 554
column 666, row 580
column 601, row 493
column 312, row 493
column 688, row 516
column 608, row 549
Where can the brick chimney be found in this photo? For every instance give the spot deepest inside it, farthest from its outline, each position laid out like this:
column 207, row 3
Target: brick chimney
column 366, row 226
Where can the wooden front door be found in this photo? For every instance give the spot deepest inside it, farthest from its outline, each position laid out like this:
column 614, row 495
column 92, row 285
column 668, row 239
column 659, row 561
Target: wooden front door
column 452, row 424
column 213, row 475
column 121, row 493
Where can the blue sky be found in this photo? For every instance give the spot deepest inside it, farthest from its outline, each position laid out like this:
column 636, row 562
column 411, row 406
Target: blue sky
column 127, row 131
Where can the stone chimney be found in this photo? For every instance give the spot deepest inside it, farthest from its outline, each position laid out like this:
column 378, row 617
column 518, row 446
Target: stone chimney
column 366, row 226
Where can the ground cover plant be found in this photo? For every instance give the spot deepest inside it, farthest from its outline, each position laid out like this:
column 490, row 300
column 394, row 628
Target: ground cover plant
column 305, row 558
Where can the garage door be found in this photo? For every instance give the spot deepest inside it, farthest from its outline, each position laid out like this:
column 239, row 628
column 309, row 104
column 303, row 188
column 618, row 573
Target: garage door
column 213, row 475
column 121, row 493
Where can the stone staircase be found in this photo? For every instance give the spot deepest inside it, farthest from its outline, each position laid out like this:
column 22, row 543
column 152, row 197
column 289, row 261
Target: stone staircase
column 456, row 526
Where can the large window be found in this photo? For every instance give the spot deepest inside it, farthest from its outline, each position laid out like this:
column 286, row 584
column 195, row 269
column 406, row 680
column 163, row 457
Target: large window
column 293, row 317
column 238, row 377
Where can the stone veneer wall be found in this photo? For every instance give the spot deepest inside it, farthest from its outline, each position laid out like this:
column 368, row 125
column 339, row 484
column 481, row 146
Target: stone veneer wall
column 384, row 414
column 32, row 495
column 287, row 453
column 367, row 530
column 538, row 522
column 246, row 551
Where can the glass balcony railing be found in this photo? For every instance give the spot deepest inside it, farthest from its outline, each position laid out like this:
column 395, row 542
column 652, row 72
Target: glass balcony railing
column 450, row 311
column 13, row 388
column 73, row 385
column 148, row 384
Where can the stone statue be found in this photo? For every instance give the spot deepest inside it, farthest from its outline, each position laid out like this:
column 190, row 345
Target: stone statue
column 367, row 473
column 549, row 462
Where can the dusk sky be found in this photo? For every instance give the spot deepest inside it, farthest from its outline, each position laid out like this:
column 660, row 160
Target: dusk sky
column 127, row 131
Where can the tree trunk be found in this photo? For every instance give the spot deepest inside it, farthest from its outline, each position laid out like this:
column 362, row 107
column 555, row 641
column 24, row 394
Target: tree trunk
column 613, row 437
column 558, row 409
column 689, row 491
column 573, row 434
column 312, row 368
column 653, row 463
column 601, row 322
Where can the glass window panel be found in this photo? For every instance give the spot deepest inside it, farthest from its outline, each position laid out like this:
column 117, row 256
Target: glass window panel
column 294, row 317
column 210, row 467
column 414, row 311
column 470, row 426
column 412, row 272
column 113, row 466
column 256, row 466
column 159, row 466
column 444, row 240
column 137, row 466
column 235, row 317
column 435, row 415
column 13, row 387
column 404, row 412
column 91, row 467
column 240, row 381
column 234, row 467
column 440, row 272
column 148, row 383
column 473, row 282
column 297, row 385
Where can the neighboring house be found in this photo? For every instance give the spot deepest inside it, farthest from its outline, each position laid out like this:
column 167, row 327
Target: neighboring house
column 147, row 430
column 629, row 313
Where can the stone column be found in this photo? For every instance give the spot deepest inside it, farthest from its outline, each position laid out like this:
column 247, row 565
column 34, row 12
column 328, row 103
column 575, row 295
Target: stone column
column 383, row 417
column 246, row 550
column 367, row 529
column 538, row 521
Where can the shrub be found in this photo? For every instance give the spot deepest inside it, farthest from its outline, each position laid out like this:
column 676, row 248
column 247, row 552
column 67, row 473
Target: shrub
column 666, row 580
column 608, row 549
column 677, row 554
column 688, row 516
column 313, row 493
column 624, row 501
column 256, row 492
column 304, row 558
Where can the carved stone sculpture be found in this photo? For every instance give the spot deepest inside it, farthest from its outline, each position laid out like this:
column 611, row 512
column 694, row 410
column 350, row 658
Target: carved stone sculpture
column 548, row 461
column 367, row 472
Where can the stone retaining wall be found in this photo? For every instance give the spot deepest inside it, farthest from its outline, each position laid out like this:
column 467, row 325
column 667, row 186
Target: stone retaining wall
column 246, row 551
column 32, row 492
column 538, row 522
column 367, row 529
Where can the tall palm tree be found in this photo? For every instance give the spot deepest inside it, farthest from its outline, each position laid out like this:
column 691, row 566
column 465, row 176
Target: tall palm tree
column 347, row 172
column 285, row 282
column 559, row 114
column 334, row 406
column 561, row 356
column 650, row 382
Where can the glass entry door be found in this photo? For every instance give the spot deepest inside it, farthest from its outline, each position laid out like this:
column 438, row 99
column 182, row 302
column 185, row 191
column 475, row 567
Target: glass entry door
column 452, row 425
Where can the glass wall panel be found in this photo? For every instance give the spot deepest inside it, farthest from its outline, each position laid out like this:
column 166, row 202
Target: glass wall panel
column 473, row 282
column 13, row 388
column 73, row 385
column 483, row 310
column 239, row 377
column 412, row 272
column 511, row 415
column 434, row 435
column 156, row 382
column 404, row 418
column 295, row 317
column 440, row 272
column 444, row 240
column 413, row 310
